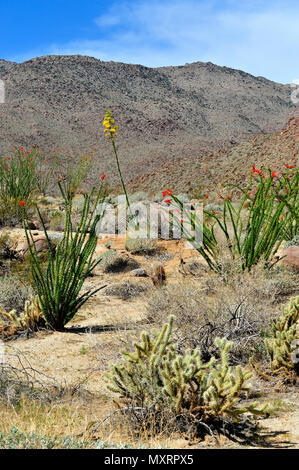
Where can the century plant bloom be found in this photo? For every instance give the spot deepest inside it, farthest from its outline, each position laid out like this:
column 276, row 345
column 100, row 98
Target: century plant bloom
column 109, row 124
column 110, row 132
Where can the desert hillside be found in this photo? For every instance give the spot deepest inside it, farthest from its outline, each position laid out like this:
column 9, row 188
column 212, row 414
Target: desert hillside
column 210, row 172
column 163, row 113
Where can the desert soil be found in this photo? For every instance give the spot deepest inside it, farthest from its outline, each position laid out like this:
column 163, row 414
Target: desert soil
column 93, row 338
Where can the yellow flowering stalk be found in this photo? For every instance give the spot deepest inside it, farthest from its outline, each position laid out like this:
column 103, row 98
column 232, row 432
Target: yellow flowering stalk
column 110, row 128
column 110, row 132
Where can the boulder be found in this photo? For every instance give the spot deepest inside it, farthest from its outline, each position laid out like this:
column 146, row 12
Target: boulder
column 37, row 225
column 290, row 258
column 138, row 273
column 41, row 245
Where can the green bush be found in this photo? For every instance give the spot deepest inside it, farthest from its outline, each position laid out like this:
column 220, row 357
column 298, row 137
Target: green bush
column 16, row 439
column 293, row 242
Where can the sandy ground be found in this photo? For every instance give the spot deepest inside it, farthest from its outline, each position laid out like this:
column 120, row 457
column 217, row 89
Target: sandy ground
column 94, row 337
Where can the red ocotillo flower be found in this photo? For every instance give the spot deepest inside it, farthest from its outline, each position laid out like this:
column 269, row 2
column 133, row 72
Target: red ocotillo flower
column 255, row 170
column 288, row 166
column 167, row 193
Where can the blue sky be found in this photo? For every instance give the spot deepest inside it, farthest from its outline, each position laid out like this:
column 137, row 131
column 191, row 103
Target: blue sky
column 259, row 36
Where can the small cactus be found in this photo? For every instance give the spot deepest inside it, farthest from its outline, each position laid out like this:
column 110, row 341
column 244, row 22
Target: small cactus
column 157, row 377
column 32, row 317
column 284, row 338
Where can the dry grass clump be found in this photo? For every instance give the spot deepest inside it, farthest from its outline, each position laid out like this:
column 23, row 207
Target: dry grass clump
column 13, row 293
column 57, row 221
column 6, row 247
column 126, row 290
column 10, row 212
column 112, row 262
column 140, row 246
column 237, row 308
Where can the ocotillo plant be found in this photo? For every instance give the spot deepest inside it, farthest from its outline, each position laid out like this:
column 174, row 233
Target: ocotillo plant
column 273, row 216
column 18, row 178
column 59, row 286
column 18, row 181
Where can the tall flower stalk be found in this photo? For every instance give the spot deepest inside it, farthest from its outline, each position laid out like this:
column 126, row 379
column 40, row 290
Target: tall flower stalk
column 111, row 133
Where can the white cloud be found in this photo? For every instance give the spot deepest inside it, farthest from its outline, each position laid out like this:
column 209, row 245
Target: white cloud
column 260, row 37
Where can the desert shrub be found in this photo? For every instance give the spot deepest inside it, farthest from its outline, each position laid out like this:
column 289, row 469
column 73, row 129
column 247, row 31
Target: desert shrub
column 282, row 342
column 7, row 250
column 126, row 290
column 112, row 262
column 107, row 258
column 156, row 384
column 139, row 196
column 140, row 246
column 17, row 439
column 59, row 285
column 13, row 293
column 78, row 203
column 57, row 221
column 238, row 307
column 214, row 208
column 293, row 242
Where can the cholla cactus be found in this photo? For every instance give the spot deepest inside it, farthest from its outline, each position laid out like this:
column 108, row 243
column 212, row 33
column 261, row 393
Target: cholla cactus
column 31, row 318
column 156, row 377
column 284, row 337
